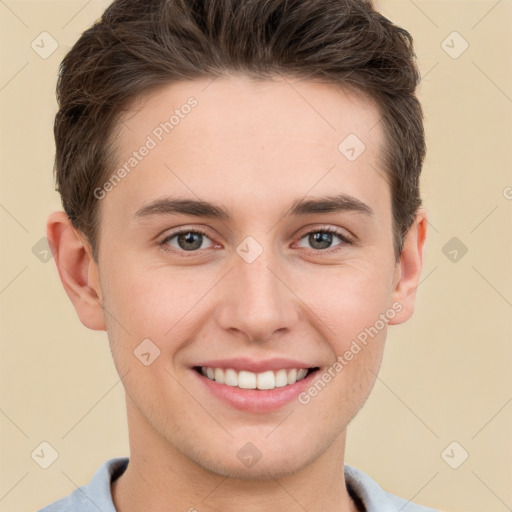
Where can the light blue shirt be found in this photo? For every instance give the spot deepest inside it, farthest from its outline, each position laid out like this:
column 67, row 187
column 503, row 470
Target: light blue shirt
column 96, row 496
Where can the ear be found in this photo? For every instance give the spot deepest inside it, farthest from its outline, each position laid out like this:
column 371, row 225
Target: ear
column 77, row 270
column 409, row 267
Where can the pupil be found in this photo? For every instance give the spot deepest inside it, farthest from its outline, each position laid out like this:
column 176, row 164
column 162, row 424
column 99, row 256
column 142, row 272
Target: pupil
column 190, row 238
column 323, row 238
column 190, row 241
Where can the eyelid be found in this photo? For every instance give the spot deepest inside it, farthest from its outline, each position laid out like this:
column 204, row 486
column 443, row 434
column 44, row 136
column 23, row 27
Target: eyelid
column 336, row 231
column 330, row 229
column 346, row 240
column 166, row 247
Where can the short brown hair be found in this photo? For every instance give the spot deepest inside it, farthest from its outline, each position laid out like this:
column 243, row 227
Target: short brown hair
column 138, row 45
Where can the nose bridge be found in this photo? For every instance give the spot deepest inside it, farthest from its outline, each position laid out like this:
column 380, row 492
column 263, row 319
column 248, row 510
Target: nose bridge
column 257, row 301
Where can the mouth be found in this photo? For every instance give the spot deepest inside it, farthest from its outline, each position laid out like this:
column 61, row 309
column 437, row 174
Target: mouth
column 262, row 392
column 267, row 380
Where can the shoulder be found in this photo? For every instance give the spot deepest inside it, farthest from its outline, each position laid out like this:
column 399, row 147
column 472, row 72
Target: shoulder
column 374, row 497
column 94, row 496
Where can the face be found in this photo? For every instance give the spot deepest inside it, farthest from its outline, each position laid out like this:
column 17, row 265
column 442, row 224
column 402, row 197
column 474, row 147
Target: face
column 255, row 278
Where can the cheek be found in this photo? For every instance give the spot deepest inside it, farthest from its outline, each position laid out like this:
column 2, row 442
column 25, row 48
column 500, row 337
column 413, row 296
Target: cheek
column 155, row 302
column 166, row 304
column 351, row 303
column 347, row 299
column 163, row 305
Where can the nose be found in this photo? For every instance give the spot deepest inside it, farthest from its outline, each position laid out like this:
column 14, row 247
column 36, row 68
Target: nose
column 257, row 300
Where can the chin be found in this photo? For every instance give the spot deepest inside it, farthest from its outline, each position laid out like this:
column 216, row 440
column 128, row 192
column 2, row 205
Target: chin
column 244, row 461
column 261, row 470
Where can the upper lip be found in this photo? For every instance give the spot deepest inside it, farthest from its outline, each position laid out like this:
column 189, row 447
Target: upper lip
column 255, row 366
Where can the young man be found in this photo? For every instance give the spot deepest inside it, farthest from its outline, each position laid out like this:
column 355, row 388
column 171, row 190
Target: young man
column 240, row 182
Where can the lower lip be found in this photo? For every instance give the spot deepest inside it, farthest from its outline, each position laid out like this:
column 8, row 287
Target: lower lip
column 256, row 400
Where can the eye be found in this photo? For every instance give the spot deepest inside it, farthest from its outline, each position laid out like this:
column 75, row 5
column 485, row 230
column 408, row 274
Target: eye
column 188, row 240
column 193, row 240
column 321, row 239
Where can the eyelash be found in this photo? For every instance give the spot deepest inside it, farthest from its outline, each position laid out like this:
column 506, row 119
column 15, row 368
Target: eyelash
column 165, row 246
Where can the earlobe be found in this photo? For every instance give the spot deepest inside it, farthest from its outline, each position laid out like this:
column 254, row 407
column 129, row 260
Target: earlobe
column 77, row 270
column 410, row 266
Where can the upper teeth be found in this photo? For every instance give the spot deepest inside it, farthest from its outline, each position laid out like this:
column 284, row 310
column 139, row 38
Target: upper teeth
column 250, row 380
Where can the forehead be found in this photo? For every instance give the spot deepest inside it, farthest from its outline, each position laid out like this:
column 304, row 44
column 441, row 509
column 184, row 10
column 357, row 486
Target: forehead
column 240, row 106
column 238, row 138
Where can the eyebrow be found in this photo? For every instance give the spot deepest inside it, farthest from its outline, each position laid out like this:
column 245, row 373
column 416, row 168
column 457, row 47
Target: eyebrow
column 300, row 207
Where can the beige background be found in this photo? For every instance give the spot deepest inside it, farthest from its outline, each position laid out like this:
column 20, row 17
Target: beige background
column 446, row 373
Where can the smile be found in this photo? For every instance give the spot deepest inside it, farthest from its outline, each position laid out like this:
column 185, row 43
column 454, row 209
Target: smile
column 249, row 380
